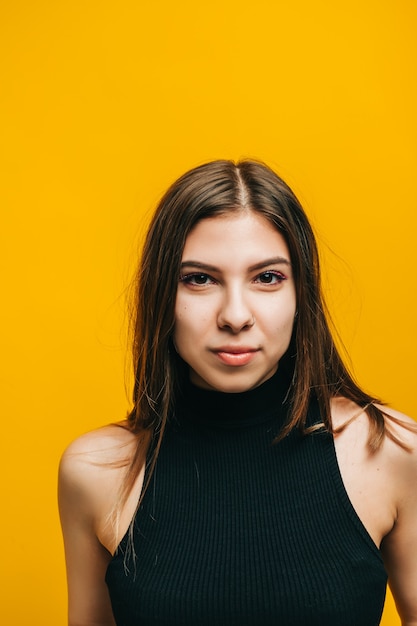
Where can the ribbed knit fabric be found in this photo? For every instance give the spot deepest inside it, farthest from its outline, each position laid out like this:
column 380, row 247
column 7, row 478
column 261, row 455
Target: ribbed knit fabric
column 237, row 531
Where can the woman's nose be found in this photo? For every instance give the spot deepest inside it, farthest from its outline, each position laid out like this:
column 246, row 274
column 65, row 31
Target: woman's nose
column 235, row 314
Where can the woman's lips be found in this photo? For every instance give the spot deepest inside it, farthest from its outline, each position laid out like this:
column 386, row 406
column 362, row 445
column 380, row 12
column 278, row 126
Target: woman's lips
column 236, row 357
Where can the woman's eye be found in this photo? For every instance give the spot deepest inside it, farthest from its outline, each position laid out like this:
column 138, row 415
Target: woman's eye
column 197, row 279
column 270, row 278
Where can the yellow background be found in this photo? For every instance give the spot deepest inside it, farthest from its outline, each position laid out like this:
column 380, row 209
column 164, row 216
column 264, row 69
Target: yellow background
column 103, row 104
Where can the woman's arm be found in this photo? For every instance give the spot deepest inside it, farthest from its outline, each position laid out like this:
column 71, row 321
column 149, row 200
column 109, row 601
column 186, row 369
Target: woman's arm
column 399, row 547
column 86, row 559
column 382, row 487
column 90, row 475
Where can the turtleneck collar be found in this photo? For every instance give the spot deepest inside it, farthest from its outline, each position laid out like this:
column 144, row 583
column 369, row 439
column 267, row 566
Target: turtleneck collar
column 235, row 410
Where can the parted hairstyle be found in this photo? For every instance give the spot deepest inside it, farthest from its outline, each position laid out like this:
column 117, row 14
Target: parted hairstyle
column 314, row 363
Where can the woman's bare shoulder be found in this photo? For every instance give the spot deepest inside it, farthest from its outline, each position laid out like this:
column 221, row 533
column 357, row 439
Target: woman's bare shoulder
column 380, row 481
column 93, row 467
column 404, row 456
column 95, row 453
column 92, row 473
column 401, row 419
column 353, row 423
column 108, row 444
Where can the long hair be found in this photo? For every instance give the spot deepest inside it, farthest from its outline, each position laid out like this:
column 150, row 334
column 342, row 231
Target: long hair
column 315, row 365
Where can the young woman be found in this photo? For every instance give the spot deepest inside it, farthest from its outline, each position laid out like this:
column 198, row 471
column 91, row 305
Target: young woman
column 253, row 482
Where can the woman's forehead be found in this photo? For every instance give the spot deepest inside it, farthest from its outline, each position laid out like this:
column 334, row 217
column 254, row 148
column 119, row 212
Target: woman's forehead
column 246, row 237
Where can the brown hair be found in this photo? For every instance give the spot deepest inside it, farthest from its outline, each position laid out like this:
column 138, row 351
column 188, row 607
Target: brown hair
column 314, row 362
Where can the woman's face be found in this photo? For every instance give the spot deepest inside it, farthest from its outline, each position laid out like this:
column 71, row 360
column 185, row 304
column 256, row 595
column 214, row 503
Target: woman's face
column 235, row 303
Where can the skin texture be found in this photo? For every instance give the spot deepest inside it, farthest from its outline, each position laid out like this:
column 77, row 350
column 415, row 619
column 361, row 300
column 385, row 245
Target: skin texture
column 218, row 312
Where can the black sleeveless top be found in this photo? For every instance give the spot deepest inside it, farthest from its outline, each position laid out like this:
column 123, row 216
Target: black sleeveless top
column 235, row 530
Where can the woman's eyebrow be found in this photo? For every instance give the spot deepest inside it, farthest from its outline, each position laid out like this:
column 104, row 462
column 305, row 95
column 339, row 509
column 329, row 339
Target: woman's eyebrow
column 199, row 265
column 276, row 260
